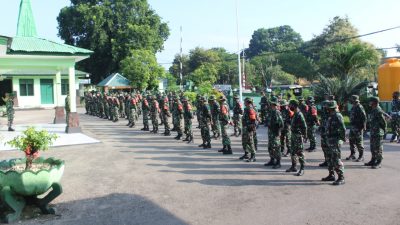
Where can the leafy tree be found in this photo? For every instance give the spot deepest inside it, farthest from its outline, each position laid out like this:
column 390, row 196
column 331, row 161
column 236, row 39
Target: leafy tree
column 298, row 65
column 112, row 29
column 201, row 56
column 142, row 69
column 205, row 74
column 175, row 68
column 274, row 39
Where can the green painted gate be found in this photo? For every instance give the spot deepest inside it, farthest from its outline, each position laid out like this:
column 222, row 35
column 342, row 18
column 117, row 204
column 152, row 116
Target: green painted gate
column 46, row 91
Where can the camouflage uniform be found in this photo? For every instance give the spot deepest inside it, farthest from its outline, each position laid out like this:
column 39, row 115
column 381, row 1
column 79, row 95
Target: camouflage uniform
column 205, row 116
column 215, row 112
column 224, row 119
column 377, row 125
column 336, row 134
column 154, row 111
column 358, row 121
column 145, row 112
column 160, row 100
column 275, row 126
column 116, row 108
column 100, row 106
column 249, row 128
column 286, row 132
column 299, row 130
column 86, row 97
column 187, row 117
column 10, row 111
column 198, row 109
column 67, row 109
column 121, row 106
column 324, row 138
column 106, row 107
column 395, row 117
column 312, row 121
column 165, row 114
column 263, row 108
column 178, row 118
column 132, row 110
column 237, row 116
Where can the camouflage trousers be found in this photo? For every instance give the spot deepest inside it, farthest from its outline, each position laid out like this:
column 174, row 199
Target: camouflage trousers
column 101, row 110
column 115, row 113
column 224, row 128
column 297, row 149
column 376, row 147
column 263, row 115
column 10, row 117
column 248, row 141
column 131, row 116
column 67, row 117
column 188, row 128
column 311, row 136
column 274, row 146
column 255, row 140
column 325, row 146
column 145, row 118
column 215, row 127
column 237, row 125
column 107, row 111
column 87, row 107
column 178, row 125
column 122, row 110
column 285, row 139
column 154, row 121
column 356, row 140
column 396, row 126
column 334, row 157
column 164, row 116
column 205, row 133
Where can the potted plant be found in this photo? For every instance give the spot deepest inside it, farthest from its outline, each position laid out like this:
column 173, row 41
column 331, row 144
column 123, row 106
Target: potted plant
column 22, row 180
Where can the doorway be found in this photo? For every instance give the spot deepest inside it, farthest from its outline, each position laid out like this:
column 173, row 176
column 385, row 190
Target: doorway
column 46, row 91
column 5, row 87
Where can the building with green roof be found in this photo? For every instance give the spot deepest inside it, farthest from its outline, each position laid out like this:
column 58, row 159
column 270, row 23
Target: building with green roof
column 39, row 72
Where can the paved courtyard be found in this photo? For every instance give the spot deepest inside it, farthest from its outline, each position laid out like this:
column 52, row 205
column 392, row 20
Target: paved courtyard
column 134, row 177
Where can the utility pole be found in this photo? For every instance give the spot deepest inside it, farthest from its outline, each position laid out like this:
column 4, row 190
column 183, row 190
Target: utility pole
column 244, row 71
column 238, row 43
column 180, row 63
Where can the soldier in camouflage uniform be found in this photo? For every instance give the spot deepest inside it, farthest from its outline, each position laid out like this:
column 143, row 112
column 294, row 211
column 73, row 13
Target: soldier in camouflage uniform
column 324, row 138
column 205, row 121
column 154, row 111
column 377, row 126
column 121, row 106
column 237, row 116
column 116, row 108
column 249, row 128
column 312, row 121
column 67, row 109
column 165, row 114
column 160, row 100
column 395, row 117
column 215, row 112
column 263, row 108
column 299, row 131
column 100, row 105
column 336, row 134
column 198, row 109
column 286, row 133
column 224, row 119
column 178, row 117
column 86, row 97
column 145, row 112
column 9, row 100
column 187, row 117
column 106, row 107
column 132, row 112
column 358, row 121
column 275, row 126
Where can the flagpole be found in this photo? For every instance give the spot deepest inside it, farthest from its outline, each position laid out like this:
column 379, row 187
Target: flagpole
column 180, row 63
column 238, row 43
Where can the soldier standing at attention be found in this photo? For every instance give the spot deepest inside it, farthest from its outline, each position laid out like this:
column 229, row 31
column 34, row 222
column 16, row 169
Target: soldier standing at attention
column 116, row 108
column 132, row 110
column 165, row 114
column 198, row 110
column 324, row 138
column 128, row 111
column 106, row 106
column 9, row 100
column 299, row 131
column 178, row 118
column 336, row 134
column 187, row 117
column 263, row 108
column 358, row 121
column 312, row 121
column 377, row 125
column 160, row 100
column 67, row 109
column 145, row 111
column 237, row 116
column 154, row 111
column 275, row 126
column 286, row 133
column 224, row 118
column 395, row 117
column 204, row 124
column 215, row 112
column 249, row 127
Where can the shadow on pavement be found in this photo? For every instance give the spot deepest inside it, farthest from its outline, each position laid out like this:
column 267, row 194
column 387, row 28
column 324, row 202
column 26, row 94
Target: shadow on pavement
column 241, row 182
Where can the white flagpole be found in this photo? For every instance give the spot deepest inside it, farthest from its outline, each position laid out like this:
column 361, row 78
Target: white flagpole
column 238, row 42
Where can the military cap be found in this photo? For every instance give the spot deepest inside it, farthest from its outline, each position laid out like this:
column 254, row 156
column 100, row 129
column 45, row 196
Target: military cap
column 310, row 99
column 249, row 100
column 294, row 102
column 355, row 98
column 300, row 98
column 184, row 99
column 396, row 93
column 211, row 98
column 274, row 101
column 283, row 102
column 325, row 103
column 222, row 98
column 374, row 99
column 332, row 105
column 236, row 97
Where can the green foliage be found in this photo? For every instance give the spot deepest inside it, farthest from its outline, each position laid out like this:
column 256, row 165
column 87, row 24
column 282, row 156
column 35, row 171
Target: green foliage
column 112, row 29
column 298, row 65
column 205, row 89
column 142, row 69
column 205, row 74
column 190, row 95
column 172, row 86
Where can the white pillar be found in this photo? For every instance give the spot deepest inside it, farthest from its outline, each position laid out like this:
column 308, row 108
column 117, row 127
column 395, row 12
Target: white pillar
column 72, row 89
column 58, row 88
column 59, row 109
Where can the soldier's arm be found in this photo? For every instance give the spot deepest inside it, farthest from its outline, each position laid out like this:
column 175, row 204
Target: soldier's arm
column 303, row 126
column 382, row 122
column 342, row 128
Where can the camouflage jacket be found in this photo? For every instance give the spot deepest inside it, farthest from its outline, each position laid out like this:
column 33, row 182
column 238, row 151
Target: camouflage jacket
column 237, row 108
column 396, row 107
column 298, row 124
column 311, row 116
column 187, row 111
column 358, row 117
column 287, row 118
column 249, row 117
column 335, row 128
column 377, row 122
column 275, row 124
column 224, row 113
column 215, row 111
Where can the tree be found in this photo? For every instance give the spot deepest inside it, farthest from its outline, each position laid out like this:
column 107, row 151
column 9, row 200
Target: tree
column 201, row 56
column 112, row 29
column 176, row 68
column 274, row 39
column 205, row 74
column 298, row 65
column 142, row 69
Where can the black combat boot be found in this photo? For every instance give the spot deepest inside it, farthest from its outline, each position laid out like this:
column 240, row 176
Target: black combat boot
column 240, row 132
column 270, row 163
column 167, row 133
column 245, row 156
column 324, row 164
column 178, row 137
column 252, row 158
column 339, row 181
column 292, row 168
column 132, row 125
column 330, row 177
column 223, row 149
column 228, row 150
column 208, row 145
column 360, row 157
column 301, row 171
column 186, row 139
column 202, row 145
column 190, row 139
column 377, row 164
column 128, row 124
column 277, row 164
column 144, row 128
column 394, row 138
column 371, row 162
column 10, row 129
column 351, row 156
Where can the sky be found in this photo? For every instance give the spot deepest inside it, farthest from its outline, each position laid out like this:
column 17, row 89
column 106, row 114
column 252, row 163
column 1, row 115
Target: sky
column 212, row 23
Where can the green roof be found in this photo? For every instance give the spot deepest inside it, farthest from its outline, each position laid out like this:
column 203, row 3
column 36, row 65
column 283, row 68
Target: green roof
column 115, row 80
column 26, row 23
column 24, row 72
column 38, row 45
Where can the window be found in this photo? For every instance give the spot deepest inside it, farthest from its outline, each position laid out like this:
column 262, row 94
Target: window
column 64, row 86
column 26, row 87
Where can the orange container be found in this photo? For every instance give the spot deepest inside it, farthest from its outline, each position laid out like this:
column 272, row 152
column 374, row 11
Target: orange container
column 388, row 79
